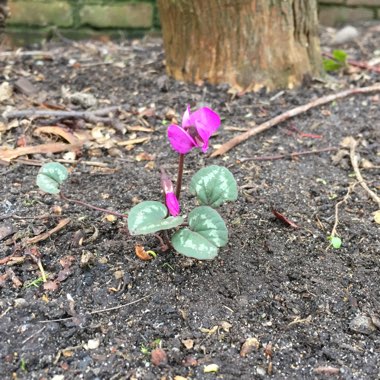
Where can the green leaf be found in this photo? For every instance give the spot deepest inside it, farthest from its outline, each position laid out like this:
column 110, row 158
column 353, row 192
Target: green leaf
column 50, row 176
column 340, row 56
column 206, row 233
column 331, row 65
column 214, row 185
column 335, row 241
column 149, row 217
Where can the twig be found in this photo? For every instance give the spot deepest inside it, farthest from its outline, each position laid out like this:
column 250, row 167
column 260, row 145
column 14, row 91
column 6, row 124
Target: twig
column 288, row 155
column 33, row 335
column 77, row 201
column 101, row 310
column 62, row 223
column 291, row 113
column 344, row 200
column 86, row 115
column 354, row 162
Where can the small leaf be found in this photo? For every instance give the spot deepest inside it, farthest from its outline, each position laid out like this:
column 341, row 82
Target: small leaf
column 149, row 217
column 331, row 65
column 50, row 176
column 214, row 185
column 206, row 234
column 340, row 56
column 335, row 241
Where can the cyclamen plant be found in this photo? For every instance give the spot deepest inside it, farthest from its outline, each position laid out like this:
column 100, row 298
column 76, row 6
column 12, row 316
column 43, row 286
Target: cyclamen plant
column 205, row 231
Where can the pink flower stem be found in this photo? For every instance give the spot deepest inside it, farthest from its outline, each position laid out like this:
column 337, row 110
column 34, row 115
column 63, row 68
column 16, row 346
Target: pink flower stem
column 179, row 176
column 63, row 196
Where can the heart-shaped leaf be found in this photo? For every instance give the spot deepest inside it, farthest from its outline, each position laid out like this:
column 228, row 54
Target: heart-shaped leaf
column 50, row 176
column 206, row 234
column 149, row 217
column 214, row 185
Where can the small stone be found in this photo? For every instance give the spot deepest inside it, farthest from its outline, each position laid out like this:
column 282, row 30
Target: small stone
column 346, row 34
column 87, row 258
column 93, row 344
column 362, row 324
column 119, row 274
column 261, row 371
column 248, row 346
column 159, row 357
column 20, row 302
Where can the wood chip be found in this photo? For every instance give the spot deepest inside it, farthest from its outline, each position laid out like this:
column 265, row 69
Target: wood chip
column 62, row 223
column 133, row 141
column 9, row 154
column 25, row 86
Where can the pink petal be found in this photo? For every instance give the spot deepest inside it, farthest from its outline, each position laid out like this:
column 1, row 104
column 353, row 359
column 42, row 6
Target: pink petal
column 207, row 122
column 172, row 204
column 180, row 140
column 186, row 118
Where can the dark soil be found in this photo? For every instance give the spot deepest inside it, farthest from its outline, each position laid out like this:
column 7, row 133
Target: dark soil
column 314, row 310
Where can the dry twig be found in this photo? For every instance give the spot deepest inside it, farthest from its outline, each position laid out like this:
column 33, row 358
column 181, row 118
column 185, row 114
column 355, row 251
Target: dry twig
column 354, row 162
column 291, row 113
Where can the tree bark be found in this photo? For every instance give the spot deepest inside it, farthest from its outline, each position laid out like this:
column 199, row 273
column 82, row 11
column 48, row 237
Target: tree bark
column 248, row 44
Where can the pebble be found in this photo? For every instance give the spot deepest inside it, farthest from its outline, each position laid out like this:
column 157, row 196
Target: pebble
column 362, row 324
column 20, row 302
column 346, row 34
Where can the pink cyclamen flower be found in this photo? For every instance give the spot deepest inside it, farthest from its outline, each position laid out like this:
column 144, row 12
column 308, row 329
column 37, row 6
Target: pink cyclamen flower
column 171, row 200
column 196, row 129
column 172, row 204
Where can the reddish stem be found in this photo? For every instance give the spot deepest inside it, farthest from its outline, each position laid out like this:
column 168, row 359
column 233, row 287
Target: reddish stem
column 179, row 176
column 63, row 196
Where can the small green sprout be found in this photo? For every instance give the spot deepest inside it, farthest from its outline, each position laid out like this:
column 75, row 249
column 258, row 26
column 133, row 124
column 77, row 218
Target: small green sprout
column 337, row 61
column 23, row 365
column 36, row 283
column 335, row 241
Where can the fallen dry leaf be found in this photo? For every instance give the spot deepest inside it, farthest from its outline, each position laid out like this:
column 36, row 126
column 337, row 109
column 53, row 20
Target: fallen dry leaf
column 144, row 156
column 284, row 219
column 159, row 357
column 376, row 216
column 248, row 346
column 5, row 91
column 141, row 254
column 188, row 343
column 211, row 368
column 133, row 141
column 51, row 285
column 9, row 154
column 58, row 131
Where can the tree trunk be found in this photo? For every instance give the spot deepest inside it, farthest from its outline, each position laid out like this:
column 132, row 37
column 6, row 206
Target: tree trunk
column 3, row 16
column 248, row 44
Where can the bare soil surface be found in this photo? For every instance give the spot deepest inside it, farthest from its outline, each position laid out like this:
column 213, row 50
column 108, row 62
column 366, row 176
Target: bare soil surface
column 278, row 302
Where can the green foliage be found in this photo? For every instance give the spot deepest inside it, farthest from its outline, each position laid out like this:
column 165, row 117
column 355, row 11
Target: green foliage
column 51, row 176
column 214, row 185
column 149, row 217
column 335, row 241
column 206, row 233
column 337, row 62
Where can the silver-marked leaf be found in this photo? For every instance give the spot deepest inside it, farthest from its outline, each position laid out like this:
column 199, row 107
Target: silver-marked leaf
column 206, row 233
column 149, row 217
column 214, row 185
column 191, row 244
column 50, row 176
